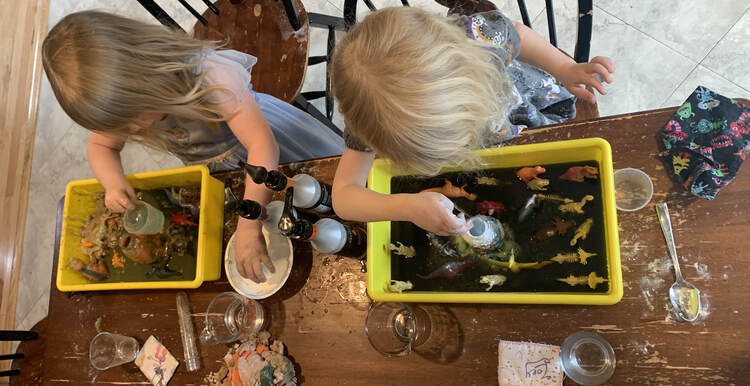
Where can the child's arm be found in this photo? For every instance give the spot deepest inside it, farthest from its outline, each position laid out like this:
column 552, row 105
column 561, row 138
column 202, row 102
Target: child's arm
column 249, row 126
column 574, row 76
column 353, row 201
column 104, row 160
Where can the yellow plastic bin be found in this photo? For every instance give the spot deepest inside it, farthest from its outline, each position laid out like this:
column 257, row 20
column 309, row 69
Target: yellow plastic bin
column 589, row 149
column 79, row 204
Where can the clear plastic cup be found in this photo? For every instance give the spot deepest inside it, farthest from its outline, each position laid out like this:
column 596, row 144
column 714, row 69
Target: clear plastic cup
column 108, row 350
column 587, row 358
column 394, row 329
column 143, row 220
column 231, row 316
column 633, row 189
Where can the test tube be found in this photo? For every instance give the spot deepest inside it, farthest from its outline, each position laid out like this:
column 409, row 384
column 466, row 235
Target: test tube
column 186, row 331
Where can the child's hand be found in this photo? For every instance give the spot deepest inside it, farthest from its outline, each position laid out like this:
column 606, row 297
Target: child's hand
column 576, row 76
column 251, row 252
column 120, row 198
column 433, row 212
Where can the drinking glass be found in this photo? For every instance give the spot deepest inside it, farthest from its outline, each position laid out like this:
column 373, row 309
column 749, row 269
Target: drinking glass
column 393, row 329
column 108, row 350
column 230, row 316
column 143, row 220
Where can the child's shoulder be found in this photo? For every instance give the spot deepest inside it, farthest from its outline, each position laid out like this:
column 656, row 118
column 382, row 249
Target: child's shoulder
column 228, row 69
column 493, row 27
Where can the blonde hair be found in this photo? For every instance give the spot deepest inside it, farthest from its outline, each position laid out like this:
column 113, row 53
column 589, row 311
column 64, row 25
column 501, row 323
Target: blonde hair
column 105, row 70
column 414, row 88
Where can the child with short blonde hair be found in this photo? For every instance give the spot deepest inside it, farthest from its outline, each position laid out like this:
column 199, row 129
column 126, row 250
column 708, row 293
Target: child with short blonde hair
column 125, row 80
column 425, row 91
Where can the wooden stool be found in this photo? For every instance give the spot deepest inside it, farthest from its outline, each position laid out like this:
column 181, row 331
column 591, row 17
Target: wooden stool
column 261, row 28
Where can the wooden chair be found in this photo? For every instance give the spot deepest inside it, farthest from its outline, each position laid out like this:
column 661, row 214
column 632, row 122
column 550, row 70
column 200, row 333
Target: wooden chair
column 276, row 32
column 584, row 110
column 10, row 335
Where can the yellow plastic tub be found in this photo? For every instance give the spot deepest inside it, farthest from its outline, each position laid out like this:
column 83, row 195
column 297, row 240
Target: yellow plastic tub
column 79, row 204
column 597, row 149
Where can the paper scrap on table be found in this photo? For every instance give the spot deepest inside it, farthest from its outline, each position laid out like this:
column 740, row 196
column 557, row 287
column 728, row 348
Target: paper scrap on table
column 525, row 363
column 155, row 362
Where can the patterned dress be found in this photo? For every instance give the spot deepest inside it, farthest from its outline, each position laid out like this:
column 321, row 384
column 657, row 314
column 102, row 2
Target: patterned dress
column 538, row 99
column 299, row 135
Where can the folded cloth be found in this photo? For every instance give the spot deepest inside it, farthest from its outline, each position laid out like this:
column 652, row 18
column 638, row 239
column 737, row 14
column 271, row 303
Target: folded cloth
column 706, row 142
column 155, row 362
column 527, row 364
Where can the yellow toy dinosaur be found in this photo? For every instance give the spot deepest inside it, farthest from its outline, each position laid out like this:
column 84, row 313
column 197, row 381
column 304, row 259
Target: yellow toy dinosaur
column 582, row 231
column 592, row 280
column 575, row 207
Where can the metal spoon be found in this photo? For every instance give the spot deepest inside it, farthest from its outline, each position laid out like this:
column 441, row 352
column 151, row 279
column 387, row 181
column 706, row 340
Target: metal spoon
column 684, row 296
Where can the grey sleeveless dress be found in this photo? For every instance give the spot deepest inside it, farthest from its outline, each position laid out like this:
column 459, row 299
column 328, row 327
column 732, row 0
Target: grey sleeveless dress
column 299, row 135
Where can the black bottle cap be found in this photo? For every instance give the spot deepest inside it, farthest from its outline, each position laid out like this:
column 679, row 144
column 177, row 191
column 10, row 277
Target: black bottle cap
column 257, row 173
column 249, row 209
column 289, row 224
column 276, row 180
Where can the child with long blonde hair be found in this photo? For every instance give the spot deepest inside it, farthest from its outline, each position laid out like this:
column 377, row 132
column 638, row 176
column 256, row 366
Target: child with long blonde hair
column 424, row 91
column 125, row 80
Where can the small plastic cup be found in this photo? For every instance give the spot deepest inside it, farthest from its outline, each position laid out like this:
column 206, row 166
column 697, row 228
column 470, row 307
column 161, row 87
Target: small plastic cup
column 231, row 316
column 143, row 220
column 587, row 358
column 633, row 189
column 108, row 350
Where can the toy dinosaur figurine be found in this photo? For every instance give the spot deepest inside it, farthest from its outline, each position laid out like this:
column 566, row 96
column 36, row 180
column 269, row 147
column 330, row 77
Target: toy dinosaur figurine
column 573, row 257
column 96, row 270
column 582, row 231
column 562, row 258
column 592, row 280
column 511, row 264
column 448, row 270
column 530, row 173
column 488, row 208
column 538, row 184
column 578, row 173
column 492, row 280
column 403, row 250
column 450, row 190
column 399, row 286
column 553, row 197
column 583, row 256
column 544, row 233
column 488, row 181
column 559, row 228
column 443, row 246
column 180, row 218
column 563, row 226
column 575, row 207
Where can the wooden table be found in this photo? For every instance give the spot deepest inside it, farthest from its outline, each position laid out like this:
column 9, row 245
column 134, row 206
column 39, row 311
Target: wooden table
column 323, row 330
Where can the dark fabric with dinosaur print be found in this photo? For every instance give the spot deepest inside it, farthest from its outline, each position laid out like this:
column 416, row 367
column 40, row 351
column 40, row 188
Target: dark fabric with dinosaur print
column 706, row 142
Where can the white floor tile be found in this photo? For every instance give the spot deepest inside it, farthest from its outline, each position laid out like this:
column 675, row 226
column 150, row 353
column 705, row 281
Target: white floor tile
column 689, row 27
column 647, row 72
column 701, row 76
column 729, row 57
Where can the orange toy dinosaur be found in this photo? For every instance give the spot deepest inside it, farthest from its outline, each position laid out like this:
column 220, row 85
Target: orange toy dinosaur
column 530, row 173
column 450, row 190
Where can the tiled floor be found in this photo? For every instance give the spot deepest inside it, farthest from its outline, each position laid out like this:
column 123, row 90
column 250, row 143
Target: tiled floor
column 662, row 52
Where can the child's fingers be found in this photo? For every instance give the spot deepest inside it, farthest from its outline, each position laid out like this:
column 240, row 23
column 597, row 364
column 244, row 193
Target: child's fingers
column 608, row 63
column 258, row 272
column 582, row 93
column 598, row 69
column 267, row 262
column 454, row 225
